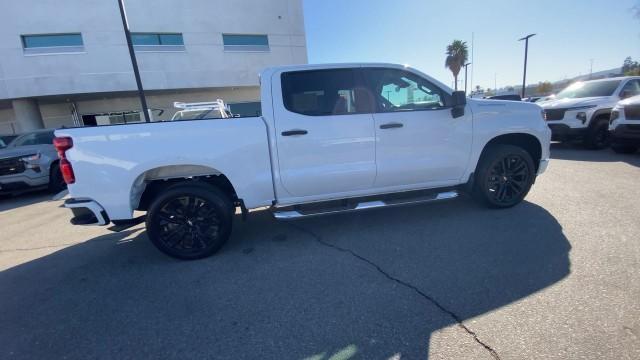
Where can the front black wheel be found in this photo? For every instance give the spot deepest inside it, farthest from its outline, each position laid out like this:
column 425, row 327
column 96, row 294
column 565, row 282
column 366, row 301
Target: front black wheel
column 504, row 176
column 597, row 137
column 190, row 221
column 56, row 181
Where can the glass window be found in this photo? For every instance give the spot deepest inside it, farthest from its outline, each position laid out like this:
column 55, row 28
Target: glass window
column 398, row 90
column 28, row 139
column 324, row 92
column 44, row 138
column 142, row 39
column 52, row 40
column 245, row 109
column 245, row 42
column 631, row 88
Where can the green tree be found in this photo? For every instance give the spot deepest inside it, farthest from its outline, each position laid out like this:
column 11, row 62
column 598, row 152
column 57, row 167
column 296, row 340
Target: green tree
column 457, row 55
column 544, row 88
column 630, row 67
column 488, row 92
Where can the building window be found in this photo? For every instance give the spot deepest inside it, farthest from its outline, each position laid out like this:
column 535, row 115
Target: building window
column 239, row 42
column 112, row 118
column 52, row 44
column 157, row 41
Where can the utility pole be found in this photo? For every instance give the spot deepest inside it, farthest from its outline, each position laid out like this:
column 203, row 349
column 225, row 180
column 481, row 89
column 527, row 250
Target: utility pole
column 471, row 82
column 134, row 62
column 526, row 50
column 591, row 69
column 495, row 83
column 465, row 77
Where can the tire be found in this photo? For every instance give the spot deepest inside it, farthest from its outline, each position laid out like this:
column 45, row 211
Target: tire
column 597, row 136
column 190, row 221
column 56, row 181
column 624, row 149
column 503, row 177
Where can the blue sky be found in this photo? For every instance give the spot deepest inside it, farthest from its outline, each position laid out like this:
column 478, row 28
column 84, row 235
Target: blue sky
column 416, row 32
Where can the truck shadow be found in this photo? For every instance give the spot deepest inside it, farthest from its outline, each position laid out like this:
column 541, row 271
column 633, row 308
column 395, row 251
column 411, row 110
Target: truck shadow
column 342, row 285
column 576, row 152
column 13, row 201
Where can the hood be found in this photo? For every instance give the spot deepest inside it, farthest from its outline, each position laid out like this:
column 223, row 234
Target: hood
column 19, row 151
column 501, row 106
column 634, row 100
column 567, row 103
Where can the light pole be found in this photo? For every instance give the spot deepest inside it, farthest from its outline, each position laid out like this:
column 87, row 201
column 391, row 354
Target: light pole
column 526, row 50
column 134, row 62
column 465, row 77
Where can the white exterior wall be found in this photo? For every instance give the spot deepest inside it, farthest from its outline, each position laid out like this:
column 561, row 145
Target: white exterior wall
column 105, row 66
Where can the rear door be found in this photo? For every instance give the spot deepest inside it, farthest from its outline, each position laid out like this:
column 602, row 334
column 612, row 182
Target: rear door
column 324, row 132
column 418, row 140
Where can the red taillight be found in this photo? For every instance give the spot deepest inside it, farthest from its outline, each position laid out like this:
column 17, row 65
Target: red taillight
column 63, row 144
column 67, row 171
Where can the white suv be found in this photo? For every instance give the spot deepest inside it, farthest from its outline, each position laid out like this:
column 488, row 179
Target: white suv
column 625, row 126
column 582, row 110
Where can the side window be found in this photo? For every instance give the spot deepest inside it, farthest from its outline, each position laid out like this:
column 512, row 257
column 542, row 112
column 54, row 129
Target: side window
column 398, row 90
column 324, row 92
column 45, row 138
column 29, row 139
column 631, row 88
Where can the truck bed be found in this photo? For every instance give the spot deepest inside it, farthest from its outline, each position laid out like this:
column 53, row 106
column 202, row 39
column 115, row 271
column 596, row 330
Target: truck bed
column 116, row 159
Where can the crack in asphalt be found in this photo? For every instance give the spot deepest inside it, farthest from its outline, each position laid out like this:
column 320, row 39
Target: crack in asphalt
column 427, row 297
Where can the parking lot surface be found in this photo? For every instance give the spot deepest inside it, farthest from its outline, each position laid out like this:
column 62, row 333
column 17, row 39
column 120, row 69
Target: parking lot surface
column 556, row 277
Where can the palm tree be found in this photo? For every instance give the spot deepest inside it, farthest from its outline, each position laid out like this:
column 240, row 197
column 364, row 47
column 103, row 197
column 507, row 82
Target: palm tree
column 457, row 56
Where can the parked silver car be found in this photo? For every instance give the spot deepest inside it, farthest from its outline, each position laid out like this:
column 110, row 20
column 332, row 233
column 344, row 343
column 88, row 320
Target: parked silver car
column 30, row 161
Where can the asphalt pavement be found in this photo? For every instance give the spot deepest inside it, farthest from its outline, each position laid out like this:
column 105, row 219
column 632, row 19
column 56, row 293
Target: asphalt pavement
column 556, row 277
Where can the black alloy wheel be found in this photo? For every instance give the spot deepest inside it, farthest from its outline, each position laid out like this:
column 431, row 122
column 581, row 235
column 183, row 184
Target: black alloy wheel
column 190, row 222
column 508, row 179
column 504, row 176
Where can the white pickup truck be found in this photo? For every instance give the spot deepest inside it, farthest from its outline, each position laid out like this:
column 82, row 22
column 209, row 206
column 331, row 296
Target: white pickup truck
column 331, row 138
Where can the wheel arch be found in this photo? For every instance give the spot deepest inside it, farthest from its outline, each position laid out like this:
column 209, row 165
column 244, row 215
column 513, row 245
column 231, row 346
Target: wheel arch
column 153, row 181
column 530, row 143
column 600, row 113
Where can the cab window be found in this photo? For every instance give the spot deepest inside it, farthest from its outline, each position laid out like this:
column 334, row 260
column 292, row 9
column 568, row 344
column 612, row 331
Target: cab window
column 398, row 90
column 324, row 92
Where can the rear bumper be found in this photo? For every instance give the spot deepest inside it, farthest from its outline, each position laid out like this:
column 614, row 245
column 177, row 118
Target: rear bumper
column 86, row 212
column 564, row 131
column 22, row 181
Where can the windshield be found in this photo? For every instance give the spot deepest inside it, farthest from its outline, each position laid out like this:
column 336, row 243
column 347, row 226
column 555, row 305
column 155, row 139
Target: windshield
column 589, row 89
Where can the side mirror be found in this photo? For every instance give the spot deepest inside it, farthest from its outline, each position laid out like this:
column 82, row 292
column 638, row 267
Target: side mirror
column 458, row 101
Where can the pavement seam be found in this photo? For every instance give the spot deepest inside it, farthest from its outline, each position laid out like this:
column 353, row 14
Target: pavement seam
column 41, row 247
column 427, row 297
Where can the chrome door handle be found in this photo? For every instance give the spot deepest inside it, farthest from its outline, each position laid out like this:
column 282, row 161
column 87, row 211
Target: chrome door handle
column 391, row 126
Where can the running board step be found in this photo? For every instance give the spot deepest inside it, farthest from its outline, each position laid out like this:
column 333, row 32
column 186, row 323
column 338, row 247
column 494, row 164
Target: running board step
column 349, row 205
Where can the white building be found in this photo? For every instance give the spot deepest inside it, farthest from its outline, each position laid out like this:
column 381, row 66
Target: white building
column 66, row 62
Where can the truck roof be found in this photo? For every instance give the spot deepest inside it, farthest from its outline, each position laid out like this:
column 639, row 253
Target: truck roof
column 268, row 72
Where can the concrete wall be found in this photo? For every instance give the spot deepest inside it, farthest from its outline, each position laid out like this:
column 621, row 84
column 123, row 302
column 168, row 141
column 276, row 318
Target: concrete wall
column 58, row 113
column 104, row 66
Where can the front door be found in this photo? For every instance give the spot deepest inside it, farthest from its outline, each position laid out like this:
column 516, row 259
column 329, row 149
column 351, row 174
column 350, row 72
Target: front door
column 419, row 141
column 324, row 132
